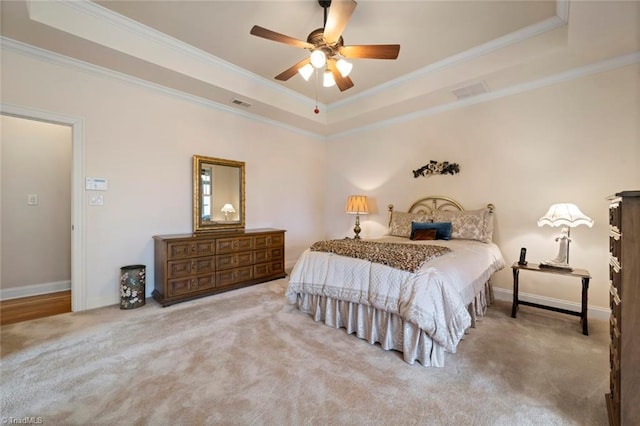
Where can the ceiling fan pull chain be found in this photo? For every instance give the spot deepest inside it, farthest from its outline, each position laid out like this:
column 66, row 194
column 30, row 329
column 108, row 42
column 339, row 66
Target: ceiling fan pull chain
column 316, row 110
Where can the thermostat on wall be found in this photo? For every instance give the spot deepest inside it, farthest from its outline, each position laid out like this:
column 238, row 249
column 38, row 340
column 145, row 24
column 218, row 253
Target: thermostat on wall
column 96, row 184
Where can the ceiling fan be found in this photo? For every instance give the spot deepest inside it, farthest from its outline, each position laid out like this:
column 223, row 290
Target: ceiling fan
column 327, row 46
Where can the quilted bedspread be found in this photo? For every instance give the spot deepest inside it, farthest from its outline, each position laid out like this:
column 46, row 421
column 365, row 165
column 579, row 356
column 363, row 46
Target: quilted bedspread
column 435, row 297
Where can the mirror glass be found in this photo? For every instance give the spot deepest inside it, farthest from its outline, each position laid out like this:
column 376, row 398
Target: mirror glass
column 218, row 194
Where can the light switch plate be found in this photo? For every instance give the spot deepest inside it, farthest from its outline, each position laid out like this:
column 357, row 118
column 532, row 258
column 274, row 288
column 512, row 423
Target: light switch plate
column 32, row 199
column 96, row 200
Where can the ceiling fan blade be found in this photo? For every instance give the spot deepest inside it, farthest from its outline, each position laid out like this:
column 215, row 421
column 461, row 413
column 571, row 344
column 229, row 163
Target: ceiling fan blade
column 343, row 83
column 290, row 72
column 371, row 51
column 340, row 13
column 281, row 38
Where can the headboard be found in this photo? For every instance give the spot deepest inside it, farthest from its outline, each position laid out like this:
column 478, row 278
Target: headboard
column 432, row 203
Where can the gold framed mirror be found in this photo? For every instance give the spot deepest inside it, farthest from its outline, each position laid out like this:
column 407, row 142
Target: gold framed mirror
column 218, row 194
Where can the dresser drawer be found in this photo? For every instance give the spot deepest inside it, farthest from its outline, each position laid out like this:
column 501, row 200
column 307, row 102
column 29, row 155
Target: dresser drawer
column 184, row 286
column 269, row 268
column 234, row 276
column 184, row 249
column 230, row 245
column 197, row 265
column 270, row 240
column 268, row 255
column 234, row 260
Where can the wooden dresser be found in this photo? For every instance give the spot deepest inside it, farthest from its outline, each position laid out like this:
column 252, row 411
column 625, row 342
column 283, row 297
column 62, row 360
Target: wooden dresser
column 623, row 400
column 188, row 266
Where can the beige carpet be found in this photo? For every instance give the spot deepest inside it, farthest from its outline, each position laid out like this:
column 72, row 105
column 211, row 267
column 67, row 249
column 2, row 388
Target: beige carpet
column 246, row 357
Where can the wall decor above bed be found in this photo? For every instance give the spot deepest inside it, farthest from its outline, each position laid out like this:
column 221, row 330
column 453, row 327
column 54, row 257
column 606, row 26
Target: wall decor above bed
column 437, row 168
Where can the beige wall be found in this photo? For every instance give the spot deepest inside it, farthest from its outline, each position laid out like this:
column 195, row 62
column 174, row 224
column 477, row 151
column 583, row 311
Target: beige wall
column 36, row 239
column 143, row 141
column 576, row 142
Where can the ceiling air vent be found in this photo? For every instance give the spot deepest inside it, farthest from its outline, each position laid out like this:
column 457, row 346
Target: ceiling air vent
column 473, row 89
column 241, row 103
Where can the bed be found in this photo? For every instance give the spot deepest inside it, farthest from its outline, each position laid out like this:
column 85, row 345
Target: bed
column 420, row 308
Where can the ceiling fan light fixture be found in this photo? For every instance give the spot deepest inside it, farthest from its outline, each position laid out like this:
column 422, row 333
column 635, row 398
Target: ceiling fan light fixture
column 318, row 58
column 328, row 80
column 306, row 71
column 344, row 67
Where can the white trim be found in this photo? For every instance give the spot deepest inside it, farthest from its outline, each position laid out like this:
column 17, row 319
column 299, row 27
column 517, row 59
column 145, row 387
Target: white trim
column 473, row 53
column 78, row 277
column 603, row 66
column 139, row 31
column 562, row 10
column 34, row 290
column 90, row 21
column 595, row 312
column 58, row 59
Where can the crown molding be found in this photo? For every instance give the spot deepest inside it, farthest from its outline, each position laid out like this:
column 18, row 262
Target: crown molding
column 595, row 68
column 95, row 23
column 58, row 59
column 468, row 55
column 138, row 29
column 55, row 58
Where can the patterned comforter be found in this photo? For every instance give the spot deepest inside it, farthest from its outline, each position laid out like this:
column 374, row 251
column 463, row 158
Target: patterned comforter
column 407, row 257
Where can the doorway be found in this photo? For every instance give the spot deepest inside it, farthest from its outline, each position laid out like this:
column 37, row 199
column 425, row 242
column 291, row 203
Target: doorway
column 73, row 224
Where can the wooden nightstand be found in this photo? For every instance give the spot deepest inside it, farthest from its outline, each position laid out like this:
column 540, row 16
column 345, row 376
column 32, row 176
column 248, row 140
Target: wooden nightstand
column 583, row 274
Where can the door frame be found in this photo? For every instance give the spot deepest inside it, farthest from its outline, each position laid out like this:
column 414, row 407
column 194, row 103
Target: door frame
column 78, row 273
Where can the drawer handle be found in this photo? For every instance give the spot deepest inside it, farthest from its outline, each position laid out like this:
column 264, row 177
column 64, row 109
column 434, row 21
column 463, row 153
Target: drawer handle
column 614, row 294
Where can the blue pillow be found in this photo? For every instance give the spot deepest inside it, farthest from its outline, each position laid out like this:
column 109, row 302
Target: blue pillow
column 443, row 229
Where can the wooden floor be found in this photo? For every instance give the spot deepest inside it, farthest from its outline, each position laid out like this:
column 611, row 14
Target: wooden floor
column 27, row 308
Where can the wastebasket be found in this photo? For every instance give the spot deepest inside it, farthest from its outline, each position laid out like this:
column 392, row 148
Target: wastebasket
column 132, row 286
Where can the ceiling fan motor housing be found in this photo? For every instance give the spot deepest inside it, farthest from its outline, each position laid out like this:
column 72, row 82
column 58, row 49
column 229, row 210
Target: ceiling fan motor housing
column 316, row 38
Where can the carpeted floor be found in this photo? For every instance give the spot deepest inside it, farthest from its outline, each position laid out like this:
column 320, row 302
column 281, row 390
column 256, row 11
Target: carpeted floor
column 246, row 357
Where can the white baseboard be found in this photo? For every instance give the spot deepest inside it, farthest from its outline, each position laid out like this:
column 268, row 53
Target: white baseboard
column 34, row 290
column 593, row 311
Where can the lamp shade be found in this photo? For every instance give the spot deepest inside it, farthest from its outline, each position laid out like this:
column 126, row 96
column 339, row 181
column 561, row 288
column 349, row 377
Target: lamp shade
column 306, row 71
column 228, row 208
column 328, row 80
column 344, row 67
column 565, row 214
column 357, row 204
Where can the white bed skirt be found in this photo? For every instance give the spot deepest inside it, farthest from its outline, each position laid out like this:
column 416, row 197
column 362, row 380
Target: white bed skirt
column 390, row 330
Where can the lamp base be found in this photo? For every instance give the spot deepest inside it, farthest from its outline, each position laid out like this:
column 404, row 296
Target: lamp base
column 356, row 229
column 555, row 265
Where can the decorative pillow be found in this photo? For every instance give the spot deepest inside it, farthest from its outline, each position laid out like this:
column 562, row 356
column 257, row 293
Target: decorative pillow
column 400, row 224
column 423, row 234
column 443, row 229
column 468, row 225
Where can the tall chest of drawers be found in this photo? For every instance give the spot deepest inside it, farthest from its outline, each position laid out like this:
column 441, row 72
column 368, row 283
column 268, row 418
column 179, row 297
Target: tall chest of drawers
column 623, row 400
column 188, row 266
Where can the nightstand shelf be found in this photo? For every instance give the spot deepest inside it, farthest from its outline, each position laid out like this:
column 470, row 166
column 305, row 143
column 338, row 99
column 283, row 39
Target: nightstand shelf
column 583, row 274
